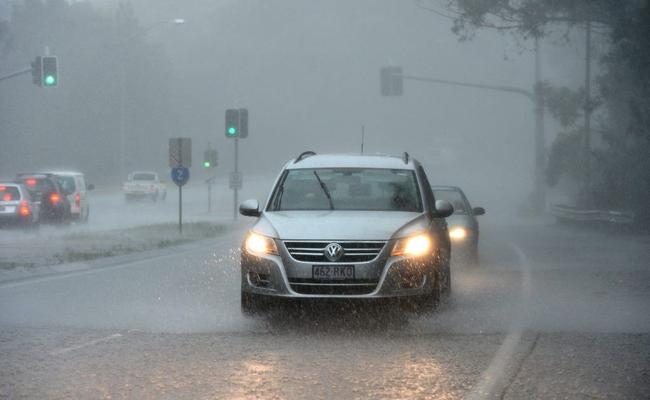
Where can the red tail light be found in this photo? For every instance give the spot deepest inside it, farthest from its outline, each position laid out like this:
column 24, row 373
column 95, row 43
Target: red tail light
column 77, row 199
column 55, row 198
column 6, row 197
column 31, row 182
column 23, row 209
column 2, row 188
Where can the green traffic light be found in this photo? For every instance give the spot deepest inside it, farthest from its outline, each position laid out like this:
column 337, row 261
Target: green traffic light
column 232, row 130
column 49, row 80
column 206, row 164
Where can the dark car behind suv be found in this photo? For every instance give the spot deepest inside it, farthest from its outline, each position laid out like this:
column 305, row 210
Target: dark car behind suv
column 46, row 191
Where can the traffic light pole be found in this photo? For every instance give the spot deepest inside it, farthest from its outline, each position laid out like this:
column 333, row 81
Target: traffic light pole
column 17, row 73
column 537, row 98
column 235, row 190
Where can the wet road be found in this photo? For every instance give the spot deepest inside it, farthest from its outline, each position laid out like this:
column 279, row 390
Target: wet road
column 550, row 313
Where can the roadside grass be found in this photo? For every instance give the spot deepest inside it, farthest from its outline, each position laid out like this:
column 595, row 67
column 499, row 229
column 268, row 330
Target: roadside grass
column 86, row 246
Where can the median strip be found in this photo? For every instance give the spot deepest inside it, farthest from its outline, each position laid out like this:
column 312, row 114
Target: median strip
column 82, row 246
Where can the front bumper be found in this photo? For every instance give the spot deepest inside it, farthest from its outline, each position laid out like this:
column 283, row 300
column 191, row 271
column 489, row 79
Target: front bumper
column 383, row 277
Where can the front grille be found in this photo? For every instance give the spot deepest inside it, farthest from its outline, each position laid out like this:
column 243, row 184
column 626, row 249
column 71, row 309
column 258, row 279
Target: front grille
column 354, row 252
column 333, row 289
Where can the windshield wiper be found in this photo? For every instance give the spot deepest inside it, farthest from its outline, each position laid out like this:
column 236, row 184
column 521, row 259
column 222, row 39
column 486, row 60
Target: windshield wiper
column 325, row 190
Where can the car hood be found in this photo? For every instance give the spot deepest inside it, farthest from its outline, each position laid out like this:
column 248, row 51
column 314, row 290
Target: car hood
column 340, row 225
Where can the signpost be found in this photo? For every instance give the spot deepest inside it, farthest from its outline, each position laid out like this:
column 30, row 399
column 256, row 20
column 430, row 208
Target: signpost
column 236, row 128
column 236, row 179
column 180, row 160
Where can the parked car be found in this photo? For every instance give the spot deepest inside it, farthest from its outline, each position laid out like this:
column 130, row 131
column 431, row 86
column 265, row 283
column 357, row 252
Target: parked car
column 463, row 224
column 76, row 189
column 144, row 184
column 347, row 227
column 45, row 190
column 17, row 206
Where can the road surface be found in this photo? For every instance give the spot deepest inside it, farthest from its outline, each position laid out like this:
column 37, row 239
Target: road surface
column 551, row 312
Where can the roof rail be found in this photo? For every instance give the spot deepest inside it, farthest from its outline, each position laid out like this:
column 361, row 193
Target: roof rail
column 405, row 157
column 304, row 155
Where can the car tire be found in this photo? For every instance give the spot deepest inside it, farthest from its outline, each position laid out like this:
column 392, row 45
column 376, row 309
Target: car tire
column 154, row 197
column 252, row 304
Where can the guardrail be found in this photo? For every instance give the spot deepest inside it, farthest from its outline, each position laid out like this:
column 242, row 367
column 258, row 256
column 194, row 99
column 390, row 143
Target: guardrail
column 574, row 214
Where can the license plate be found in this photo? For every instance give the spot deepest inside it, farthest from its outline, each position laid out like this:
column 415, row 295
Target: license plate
column 332, row 272
column 7, row 209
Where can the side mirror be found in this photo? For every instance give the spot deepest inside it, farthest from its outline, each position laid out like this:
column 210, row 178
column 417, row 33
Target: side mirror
column 90, row 186
column 444, row 208
column 478, row 210
column 250, row 208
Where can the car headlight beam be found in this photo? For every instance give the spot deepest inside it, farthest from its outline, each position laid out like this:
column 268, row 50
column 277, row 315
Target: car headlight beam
column 259, row 244
column 413, row 246
column 457, row 233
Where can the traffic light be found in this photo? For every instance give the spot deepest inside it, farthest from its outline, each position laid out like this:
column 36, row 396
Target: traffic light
column 232, row 123
column 210, row 158
column 37, row 68
column 237, row 123
column 50, row 75
column 392, row 82
column 243, row 123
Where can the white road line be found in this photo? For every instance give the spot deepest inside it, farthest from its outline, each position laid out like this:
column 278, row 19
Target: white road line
column 86, row 344
column 496, row 378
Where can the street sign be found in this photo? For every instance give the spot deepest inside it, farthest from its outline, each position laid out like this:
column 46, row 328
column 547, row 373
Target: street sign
column 180, row 152
column 180, row 175
column 236, row 180
column 392, row 83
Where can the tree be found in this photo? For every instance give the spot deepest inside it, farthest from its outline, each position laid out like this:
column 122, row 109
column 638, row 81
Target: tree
column 621, row 170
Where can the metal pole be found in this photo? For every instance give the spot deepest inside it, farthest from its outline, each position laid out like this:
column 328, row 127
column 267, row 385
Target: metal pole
column 540, row 145
column 123, row 116
column 180, row 209
column 209, row 195
column 17, row 73
column 363, row 134
column 587, row 139
column 236, row 171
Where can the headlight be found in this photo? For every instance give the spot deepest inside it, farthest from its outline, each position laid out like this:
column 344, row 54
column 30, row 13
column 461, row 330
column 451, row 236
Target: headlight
column 258, row 244
column 417, row 245
column 457, row 233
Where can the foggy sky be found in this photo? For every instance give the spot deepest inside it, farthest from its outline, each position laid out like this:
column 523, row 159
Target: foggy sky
column 309, row 74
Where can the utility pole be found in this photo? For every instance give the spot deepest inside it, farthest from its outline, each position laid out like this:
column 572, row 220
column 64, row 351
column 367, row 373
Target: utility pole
column 540, row 143
column 586, row 195
column 235, row 188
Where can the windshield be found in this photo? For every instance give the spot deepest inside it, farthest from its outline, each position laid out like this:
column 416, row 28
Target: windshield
column 454, row 197
column 348, row 189
column 67, row 183
column 9, row 193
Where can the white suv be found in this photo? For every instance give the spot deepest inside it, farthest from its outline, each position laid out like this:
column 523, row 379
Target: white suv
column 347, row 226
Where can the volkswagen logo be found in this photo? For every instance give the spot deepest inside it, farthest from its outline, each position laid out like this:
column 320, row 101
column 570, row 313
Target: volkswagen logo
column 334, row 252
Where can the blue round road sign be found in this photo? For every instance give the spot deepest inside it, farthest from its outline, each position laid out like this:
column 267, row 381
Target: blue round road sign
column 180, row 175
